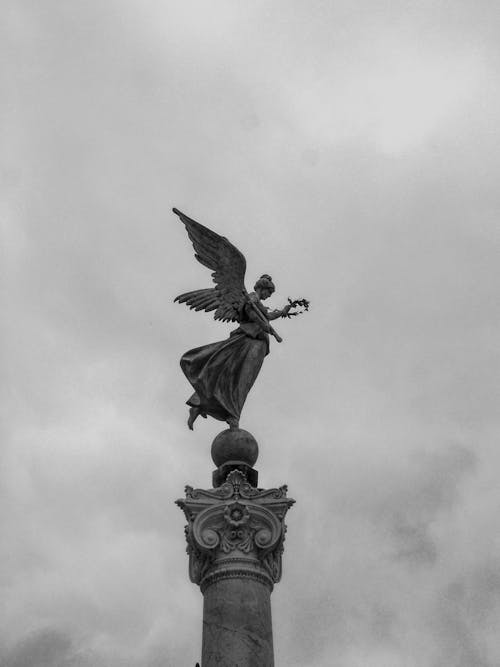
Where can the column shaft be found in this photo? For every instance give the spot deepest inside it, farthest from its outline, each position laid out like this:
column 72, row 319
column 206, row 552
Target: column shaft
column 237, row 629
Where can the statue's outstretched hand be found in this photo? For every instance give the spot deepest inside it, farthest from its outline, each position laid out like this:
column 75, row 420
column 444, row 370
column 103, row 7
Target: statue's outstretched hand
column 303, row 303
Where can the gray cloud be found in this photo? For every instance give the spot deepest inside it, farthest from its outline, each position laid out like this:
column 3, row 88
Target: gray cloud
column 350, row 150
column 47, row 648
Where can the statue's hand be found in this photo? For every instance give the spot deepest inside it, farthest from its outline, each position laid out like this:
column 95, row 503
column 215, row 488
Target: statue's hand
column 304, row 303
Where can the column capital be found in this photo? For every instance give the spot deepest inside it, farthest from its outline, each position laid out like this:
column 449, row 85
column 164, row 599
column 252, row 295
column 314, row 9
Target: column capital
column 235, row 531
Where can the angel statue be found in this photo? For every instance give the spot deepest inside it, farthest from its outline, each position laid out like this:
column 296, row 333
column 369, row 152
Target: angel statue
column 223, row 373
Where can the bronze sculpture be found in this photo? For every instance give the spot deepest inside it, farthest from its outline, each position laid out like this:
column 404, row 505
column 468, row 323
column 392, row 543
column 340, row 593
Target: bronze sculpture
column 223, row 373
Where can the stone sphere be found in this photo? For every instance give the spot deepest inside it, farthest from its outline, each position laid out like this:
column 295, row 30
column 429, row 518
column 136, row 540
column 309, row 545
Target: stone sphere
column 235, row 444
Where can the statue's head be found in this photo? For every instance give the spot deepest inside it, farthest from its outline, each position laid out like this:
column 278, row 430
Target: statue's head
column 264, row 286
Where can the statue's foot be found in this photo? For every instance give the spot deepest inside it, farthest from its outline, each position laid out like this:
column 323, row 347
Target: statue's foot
column 193, row 413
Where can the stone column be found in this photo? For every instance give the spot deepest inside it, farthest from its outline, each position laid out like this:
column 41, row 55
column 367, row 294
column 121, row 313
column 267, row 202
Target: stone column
column 235, row 536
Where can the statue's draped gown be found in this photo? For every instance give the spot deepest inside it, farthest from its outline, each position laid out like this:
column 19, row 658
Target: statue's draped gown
column 223, row 373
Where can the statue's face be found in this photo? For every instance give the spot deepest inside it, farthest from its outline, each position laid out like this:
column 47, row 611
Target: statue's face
column 264, row 293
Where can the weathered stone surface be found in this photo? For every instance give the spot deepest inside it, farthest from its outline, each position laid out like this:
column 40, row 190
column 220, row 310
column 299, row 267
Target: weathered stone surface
column 235, row 536
column 237, row 627
column 235, row 530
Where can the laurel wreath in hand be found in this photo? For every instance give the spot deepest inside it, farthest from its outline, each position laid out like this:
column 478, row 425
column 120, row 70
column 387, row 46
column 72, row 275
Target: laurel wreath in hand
column 303, row 303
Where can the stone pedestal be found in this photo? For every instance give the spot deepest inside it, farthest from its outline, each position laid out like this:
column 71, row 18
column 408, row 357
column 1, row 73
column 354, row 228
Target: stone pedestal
column 235, row 536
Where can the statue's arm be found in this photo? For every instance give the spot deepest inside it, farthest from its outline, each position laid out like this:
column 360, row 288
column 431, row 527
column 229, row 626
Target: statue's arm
column 268, row 314
column 274, row 314
column 258, row 314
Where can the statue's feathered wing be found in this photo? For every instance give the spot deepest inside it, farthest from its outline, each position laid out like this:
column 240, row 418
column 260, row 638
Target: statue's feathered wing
column 228, row 265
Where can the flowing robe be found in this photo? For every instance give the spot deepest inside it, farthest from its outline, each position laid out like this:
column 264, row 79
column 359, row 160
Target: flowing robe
column 223, row 373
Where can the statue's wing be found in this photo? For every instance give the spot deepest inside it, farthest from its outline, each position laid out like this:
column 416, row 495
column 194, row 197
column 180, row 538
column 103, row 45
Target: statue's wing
column 228, row 265
column 200, row 299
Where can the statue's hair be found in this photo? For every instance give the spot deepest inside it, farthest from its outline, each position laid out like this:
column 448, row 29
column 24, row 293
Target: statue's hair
column 265, row 281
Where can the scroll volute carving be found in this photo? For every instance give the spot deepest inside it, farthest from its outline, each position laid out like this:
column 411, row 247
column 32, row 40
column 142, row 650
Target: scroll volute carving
column 242, row 525
column 235, row 522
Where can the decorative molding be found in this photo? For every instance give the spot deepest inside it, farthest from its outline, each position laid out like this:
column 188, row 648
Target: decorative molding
column 235, row 531
column 219, row 575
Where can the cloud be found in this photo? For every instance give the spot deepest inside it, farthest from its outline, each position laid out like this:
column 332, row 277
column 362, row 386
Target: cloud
column 47, row 648
column 350, row 150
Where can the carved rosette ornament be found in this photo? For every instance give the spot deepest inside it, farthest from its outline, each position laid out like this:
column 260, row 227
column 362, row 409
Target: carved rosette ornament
column 235, row 531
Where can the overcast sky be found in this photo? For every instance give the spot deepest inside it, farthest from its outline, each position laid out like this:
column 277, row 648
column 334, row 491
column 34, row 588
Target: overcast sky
column 351, row 149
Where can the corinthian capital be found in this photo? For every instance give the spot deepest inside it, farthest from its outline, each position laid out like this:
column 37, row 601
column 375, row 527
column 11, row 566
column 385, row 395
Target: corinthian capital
column 235, row 530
